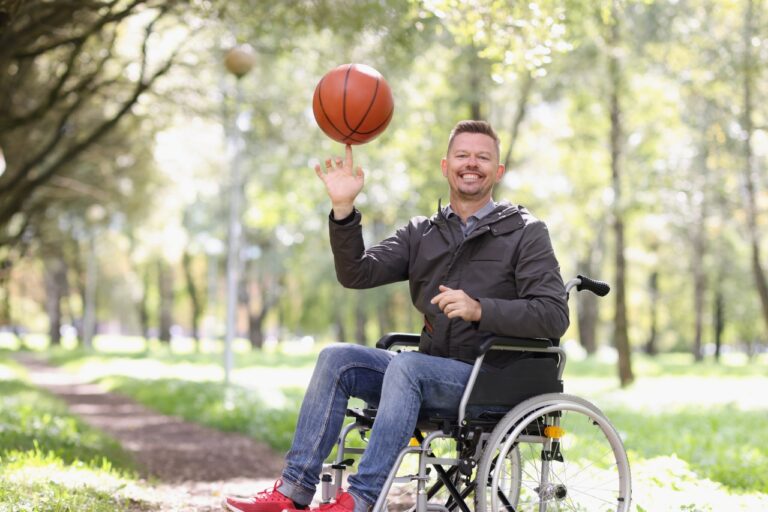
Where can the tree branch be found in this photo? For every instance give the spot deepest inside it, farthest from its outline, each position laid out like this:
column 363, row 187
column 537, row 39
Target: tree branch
column 522, row 105
column 86, row 34
column 20, row 196
column 85, row 83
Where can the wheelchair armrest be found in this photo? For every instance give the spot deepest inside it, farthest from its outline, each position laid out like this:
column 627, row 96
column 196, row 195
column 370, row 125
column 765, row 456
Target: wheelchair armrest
column 403, row 339
column 492, row 342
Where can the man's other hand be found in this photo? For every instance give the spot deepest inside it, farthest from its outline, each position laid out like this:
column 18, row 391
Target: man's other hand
column 457, row 304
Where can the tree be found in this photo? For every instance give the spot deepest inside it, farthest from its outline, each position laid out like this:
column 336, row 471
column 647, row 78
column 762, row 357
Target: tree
column 51, row 81
column 615, row 99
column 750, row 69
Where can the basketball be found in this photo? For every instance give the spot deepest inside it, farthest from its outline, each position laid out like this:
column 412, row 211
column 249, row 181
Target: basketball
column 353, row 104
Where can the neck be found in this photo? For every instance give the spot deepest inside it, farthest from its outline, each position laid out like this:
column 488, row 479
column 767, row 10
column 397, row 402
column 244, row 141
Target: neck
column 464, row 208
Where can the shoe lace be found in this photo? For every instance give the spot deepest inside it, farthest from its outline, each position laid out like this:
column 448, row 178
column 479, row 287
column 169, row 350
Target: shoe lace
column 269, row 494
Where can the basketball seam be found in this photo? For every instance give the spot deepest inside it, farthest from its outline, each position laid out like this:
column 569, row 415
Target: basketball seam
column 386, row 120
column 344, row 100
column 370, row 106
column 330, row 122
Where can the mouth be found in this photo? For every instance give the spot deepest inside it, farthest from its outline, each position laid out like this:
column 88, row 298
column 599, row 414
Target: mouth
column 470, row 177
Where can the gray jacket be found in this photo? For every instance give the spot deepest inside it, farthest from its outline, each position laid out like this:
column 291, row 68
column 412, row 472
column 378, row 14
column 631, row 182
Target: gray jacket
column 507, row 263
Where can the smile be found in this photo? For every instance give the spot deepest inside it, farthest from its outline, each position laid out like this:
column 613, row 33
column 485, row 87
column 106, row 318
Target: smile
column 469, row 177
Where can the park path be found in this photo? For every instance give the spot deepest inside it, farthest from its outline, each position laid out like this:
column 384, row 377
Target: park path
column 186, row 467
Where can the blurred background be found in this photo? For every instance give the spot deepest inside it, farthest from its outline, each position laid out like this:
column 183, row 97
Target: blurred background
column 637, row 130
column 136, row 135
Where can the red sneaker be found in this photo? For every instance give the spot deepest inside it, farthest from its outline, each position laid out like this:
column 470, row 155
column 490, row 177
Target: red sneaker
column 268, row 500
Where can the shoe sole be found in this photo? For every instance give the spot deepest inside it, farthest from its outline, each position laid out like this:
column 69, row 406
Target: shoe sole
column 226, row 506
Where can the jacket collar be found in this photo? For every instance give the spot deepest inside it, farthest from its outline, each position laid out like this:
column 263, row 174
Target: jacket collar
column 503, row 210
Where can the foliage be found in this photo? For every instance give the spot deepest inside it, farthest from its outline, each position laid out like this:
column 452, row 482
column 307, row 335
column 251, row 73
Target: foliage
column 537, row 70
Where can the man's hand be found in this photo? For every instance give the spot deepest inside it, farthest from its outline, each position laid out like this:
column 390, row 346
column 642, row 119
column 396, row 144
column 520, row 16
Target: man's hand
column 342, row 183
column 457, row 304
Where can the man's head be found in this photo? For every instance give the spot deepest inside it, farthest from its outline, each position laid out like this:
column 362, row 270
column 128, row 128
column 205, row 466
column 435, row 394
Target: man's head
column 471, row 126
column 471, row 164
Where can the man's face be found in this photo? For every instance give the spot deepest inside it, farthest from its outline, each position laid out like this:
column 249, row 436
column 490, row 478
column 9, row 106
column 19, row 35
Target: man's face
column 472, row 166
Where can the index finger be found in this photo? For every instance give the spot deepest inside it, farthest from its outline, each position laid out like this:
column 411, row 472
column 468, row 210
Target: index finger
column 437, row 298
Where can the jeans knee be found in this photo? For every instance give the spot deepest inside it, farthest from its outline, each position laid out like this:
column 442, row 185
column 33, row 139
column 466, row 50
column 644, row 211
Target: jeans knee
column 403, row 368
column 339, row 355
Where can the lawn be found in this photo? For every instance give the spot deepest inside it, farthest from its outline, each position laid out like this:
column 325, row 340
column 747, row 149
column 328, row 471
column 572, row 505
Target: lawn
column 696, row 434
column 50, row 461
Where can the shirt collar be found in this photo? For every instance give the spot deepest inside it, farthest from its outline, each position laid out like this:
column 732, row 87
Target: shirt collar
column 479, row 214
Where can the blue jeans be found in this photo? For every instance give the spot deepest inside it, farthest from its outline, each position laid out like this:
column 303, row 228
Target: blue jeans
column 400, row 384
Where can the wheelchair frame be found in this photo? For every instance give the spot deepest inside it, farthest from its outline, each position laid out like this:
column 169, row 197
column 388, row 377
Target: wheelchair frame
column 485, row 446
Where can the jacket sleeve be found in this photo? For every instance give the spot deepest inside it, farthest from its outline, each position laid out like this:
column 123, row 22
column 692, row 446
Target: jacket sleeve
column 541, row 309
column 358, row 268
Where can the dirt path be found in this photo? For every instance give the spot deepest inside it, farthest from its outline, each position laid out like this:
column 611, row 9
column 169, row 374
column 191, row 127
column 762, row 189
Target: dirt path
column 193, row 465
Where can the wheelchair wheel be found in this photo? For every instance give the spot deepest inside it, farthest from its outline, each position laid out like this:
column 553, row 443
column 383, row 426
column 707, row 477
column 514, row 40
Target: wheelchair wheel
column 554, row 452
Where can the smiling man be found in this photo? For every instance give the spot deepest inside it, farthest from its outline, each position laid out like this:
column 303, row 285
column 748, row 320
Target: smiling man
column 475, row 268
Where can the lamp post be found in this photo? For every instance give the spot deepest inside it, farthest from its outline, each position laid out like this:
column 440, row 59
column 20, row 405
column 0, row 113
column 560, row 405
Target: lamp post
column 238, row 61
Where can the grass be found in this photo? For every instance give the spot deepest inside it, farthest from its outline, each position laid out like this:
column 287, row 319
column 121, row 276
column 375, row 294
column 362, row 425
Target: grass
column 51, row 461
column 235, row 410
column 697, row 434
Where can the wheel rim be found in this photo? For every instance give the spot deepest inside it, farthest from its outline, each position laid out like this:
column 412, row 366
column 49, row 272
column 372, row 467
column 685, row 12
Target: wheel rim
column 593, row 474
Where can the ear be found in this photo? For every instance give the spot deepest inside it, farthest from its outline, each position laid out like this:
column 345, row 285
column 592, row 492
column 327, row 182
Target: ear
column 444, row 167
column 500, row 172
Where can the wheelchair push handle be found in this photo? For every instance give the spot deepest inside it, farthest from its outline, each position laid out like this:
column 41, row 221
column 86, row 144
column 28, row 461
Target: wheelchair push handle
column 599, row 288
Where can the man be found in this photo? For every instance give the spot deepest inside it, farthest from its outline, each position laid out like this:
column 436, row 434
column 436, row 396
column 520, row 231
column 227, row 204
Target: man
column 475, row 267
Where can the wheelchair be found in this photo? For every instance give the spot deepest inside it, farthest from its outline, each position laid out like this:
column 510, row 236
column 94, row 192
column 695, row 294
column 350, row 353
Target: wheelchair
column 517, row 442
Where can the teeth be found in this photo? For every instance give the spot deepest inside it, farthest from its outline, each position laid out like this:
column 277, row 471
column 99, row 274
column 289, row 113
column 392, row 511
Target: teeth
column 470, row 177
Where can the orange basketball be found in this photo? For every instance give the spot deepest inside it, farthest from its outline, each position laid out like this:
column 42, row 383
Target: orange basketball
column 353, row 104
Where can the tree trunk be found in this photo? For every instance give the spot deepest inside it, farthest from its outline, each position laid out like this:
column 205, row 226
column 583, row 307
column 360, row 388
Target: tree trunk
column 338, row 323
column 5, row 291
column 143, row 306
column 586, row 311
column 256, row 329
column 165, row 286
column 55, row 286
column 653, row 292
column 719, row 319
column 475, row 92
column 194, row 298
column 360, row 320
column 621, row 334
column 89, row 295
column 587, row 305
column 699, row 278
column 260, row 294
column 384, row 316
column 750, row 177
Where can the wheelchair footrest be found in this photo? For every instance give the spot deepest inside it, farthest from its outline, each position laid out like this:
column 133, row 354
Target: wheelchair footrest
column 405, row 479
